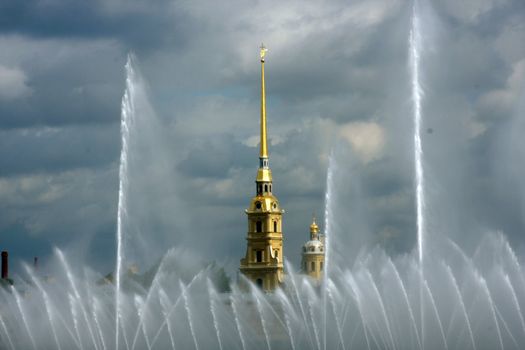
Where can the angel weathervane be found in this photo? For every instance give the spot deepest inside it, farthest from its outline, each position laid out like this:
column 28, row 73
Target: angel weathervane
column 263, row 52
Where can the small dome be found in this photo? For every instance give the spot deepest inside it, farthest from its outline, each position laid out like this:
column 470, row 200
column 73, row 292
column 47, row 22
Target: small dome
column 313, row 246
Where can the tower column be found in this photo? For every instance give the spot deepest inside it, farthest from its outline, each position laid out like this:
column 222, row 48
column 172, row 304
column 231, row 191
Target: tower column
column 263, row 262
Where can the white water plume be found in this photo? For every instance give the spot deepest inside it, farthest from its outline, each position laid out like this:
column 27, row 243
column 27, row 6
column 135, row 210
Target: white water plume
column 417, row 95
column 144, row 227
column 125, row 126
column 328, row 230
column 415, row 46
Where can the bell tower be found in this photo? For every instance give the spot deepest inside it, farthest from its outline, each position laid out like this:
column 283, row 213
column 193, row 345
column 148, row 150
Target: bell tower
column 263, row 263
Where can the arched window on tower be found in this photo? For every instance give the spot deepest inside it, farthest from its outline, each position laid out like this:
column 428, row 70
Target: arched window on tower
column 312, row 265
column 258, row 226
column 275, row 226
column 259, row 282
column 266, row 188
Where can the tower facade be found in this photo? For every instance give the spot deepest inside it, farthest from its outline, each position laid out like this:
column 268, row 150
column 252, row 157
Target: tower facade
column 263, row 262
column 312, row 262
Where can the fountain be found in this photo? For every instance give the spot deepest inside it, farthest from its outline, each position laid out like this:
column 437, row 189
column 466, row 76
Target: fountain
column 417, row 92
column 458, row 301
column 125, row 126
column 370, row 306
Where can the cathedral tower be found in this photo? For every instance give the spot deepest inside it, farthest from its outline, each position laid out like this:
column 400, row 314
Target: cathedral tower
column 263, row 263
column 313, row 253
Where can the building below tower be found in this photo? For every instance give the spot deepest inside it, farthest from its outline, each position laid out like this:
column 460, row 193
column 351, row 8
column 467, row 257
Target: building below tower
column 312, row 262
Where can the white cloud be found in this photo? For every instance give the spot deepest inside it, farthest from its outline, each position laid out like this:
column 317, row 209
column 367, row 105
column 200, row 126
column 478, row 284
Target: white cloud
column 366, row 138
column 13, row 83
column 252, row 141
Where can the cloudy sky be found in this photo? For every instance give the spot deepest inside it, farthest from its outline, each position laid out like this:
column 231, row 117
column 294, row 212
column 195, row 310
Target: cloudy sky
column 338, row 82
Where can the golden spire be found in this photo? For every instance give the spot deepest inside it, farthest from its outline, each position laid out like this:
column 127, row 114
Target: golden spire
column 264, row 174
column 264, row 145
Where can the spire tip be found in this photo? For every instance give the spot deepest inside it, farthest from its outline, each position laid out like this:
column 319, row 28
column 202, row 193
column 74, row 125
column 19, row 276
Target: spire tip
column 262, row 52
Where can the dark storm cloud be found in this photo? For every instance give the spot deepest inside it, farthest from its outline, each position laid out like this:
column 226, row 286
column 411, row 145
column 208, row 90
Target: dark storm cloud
column 141, row 25
column 88, row 92
column 382, row 178
column 60, row 106
column 215, row 156
column 26, row 151
column 337, row 73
